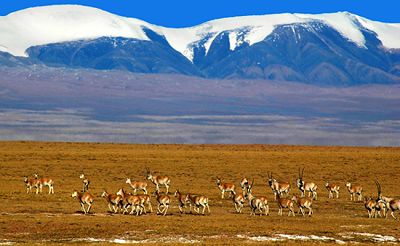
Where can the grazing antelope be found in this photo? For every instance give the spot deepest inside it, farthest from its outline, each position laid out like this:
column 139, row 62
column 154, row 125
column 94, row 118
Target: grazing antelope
column 31, row 183
column 137, row 185
column 311, row 187
column 114, row 201
column 163, row 204
column 197, row 201
column 278, row 187
column 303, row 203
column 285, row 203
column 332, row 188
column 260, row 203
column 85, row 182
column 132, row 201
column 84, row 198
column 45, row 182
column 159, row 181
column 226, row 187
column 354, row 190
column 182, row 201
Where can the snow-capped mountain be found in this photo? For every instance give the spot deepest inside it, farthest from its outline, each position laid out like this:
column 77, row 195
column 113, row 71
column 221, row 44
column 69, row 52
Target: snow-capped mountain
column 332, row 48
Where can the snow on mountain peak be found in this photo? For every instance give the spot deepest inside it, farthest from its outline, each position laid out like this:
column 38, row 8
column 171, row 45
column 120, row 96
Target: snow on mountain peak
column 59, row 23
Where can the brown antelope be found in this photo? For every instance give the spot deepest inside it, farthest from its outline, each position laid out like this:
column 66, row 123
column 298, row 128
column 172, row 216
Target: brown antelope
column 182, row 201
column 375, row 206
column 304, row 187
column 145, row 199
column 332, row 188
column 45, row 182
column 84, row 198
column 226, row 187
column 132, row 201
column 394, row 205
column 370, row 205
column 238, row 201
column 354, row 190
column 284, row 203
column 260, row 203
column 163, row 204
column 31, row 183
column 85, row 182
column 278, row 187
column 114, row 201
column 137, row 185
column 159, row 181
column 244, row 184
column 303, row 203
column 197, row 201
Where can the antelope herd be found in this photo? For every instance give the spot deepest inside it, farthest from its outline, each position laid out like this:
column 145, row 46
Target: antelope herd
column 138, row 204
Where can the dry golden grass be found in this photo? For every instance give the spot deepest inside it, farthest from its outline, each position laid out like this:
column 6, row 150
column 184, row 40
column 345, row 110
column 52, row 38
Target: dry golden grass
column 55, row 218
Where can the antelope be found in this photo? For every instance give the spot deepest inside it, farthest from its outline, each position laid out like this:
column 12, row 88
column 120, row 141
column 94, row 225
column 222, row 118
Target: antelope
column 182, row 201
column 238, row 201
column 137, row 185
column 285, row 203
column 84, row 198
column 370, row 205
column 311, row 187
column 375, row 206
column 132, row 201
column 145, row 199
column 45, row 182
column 354, row 190
column 332, row 188
column 303, row 203
column 163, row 204
column 226, row 187
column 394, row 205
column 85, row 182
column 244, row 184
column 278, row 187
column 114, row 201
column 31, row 183
column 260, row 204
column 159, row 181
column 197, row 201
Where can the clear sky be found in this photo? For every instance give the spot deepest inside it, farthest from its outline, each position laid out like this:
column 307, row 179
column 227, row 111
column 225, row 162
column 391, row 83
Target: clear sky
column 179, row 13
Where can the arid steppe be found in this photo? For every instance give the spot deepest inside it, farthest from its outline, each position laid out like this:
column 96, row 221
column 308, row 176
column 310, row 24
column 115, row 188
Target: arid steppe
column 44, row 218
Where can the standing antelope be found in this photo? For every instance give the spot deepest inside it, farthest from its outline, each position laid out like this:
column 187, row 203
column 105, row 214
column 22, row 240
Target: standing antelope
column 31, row 183
column 137, row 185
column 159, row 181
column 226, row 187
column 285, row 203
column 394, row 205
column 45, row 182
column 354, row 190
column 182, row 201
column 197, row 201
column 311, row 187
column 303, row 203
column 278, row 187
column 370, row 205
column 114, row 201
column 260, row 203
column 132, row 201
column 238, row 201
column 375, row 206
column 332, row 188
column 163, row 204
column 244, row 184
column 84, row 198
column 85, row 182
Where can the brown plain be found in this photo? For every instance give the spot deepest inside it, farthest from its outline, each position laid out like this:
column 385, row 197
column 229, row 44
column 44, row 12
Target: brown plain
column 192, row 168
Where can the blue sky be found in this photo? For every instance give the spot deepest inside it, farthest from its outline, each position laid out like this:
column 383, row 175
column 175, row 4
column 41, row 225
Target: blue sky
column 179, row 13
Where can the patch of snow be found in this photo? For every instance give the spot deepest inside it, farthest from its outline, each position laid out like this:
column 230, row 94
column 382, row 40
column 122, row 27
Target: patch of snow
column 376, row 237
column 283, row 237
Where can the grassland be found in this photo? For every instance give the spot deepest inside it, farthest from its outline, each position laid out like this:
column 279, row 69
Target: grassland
column 30, row 218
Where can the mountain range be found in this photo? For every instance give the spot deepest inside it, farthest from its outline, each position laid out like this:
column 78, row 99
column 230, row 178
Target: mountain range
column 334, row 49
